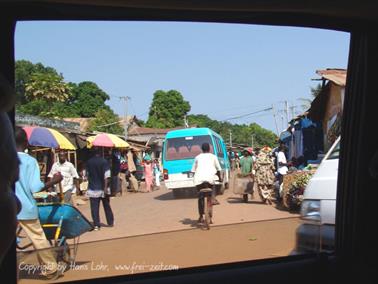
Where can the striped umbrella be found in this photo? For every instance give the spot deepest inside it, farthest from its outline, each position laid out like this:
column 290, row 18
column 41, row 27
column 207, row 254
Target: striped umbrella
column 106, row 140
column 47, row 137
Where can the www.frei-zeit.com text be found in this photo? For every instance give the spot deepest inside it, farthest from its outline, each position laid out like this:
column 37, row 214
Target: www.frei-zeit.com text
column 98, row 266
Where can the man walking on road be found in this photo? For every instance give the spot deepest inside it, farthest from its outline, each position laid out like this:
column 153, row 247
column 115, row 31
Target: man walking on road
column 70, row 183
column 29, row 182
column 98, row 172
column 282, row 168
column 206, row 170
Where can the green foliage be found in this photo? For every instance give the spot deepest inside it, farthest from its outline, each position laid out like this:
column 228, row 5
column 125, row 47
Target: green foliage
column 167, row 110
column 44, row 108
column 23, row 71
column 42, row 91
column 315, row 91
column 106, row 121
column 241, row 133
column 87, row 98
column 48, row 87
column 262, row 136
column 35, row 107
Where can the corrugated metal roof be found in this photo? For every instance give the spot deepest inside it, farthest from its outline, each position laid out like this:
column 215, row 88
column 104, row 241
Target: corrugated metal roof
column 83, row 121
column 145, row 130
column 337, row 76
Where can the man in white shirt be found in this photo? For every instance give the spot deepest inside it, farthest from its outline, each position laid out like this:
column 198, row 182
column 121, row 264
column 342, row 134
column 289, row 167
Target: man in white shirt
column 282, row 166
column 206, row 170
column 70, row 182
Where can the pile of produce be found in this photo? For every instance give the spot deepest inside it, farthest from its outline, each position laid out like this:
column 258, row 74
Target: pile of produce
column 293, row 188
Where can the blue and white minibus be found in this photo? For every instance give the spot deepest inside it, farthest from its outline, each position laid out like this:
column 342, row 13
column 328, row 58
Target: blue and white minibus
column 179, row 150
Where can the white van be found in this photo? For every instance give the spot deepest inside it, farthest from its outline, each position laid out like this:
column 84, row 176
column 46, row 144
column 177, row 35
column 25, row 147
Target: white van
column 318, row 209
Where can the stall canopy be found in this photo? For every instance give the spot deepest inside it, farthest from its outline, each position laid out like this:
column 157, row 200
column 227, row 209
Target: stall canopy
column 106, row 140
column 47, row 137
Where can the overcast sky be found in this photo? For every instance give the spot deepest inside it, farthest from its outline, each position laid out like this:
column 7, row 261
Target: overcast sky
column 223, row 70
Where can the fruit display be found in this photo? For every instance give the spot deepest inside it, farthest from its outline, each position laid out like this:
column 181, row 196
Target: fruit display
column 294, row 185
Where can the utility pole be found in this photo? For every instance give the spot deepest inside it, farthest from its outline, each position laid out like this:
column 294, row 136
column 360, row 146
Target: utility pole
column 186, row 121
column 252, row 140
column 287, row 111
column 125, row 98
column 230, row 139
column 275, row 119
column 292, row 108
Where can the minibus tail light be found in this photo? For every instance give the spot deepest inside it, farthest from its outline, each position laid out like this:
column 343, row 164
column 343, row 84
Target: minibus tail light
column 165, row 174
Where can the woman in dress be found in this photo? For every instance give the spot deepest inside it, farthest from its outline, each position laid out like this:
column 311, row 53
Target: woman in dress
column 265, row 176
column 148, row 173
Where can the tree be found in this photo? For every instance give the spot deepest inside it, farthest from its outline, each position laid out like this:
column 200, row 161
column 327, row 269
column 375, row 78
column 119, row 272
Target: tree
column 167, row 110
column 23, row 71
column 35, row 107
column 106, row 121
column 87, row 98
column 48, row 87
column 262, row 136
column 241, row 133
column 42, row 91
column 315, row 91
column 43, row 108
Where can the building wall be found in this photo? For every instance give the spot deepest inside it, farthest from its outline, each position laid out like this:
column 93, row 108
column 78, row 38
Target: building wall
column 333, row 107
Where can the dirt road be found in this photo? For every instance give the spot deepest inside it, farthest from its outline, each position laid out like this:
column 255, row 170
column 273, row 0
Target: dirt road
column 155, row 231
column 159, row 211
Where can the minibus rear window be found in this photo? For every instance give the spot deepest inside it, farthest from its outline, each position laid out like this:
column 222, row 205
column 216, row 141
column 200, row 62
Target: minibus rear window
column 186, row 147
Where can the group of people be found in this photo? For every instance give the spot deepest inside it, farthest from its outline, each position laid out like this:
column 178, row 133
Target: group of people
column 128, row 172
column 266, row 168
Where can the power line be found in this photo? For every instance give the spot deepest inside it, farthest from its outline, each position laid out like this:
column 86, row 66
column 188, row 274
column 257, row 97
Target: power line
column 249, row 114
column 104, row 125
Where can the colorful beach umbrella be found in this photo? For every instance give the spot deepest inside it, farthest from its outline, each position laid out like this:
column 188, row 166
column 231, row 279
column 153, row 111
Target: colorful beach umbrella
column 106, row 140
column 47, row 137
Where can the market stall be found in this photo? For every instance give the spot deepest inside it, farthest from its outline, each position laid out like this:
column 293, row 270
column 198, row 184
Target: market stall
column 43, row 145
column 293, row 186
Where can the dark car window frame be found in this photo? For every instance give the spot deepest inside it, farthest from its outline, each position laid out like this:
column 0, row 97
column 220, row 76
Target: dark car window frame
column 360, row 87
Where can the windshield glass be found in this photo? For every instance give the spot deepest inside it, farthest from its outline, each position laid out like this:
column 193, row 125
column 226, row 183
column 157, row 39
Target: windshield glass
column 186, row 147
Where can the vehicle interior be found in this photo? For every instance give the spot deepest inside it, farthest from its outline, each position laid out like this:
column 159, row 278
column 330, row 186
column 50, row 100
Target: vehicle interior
column 356, row 246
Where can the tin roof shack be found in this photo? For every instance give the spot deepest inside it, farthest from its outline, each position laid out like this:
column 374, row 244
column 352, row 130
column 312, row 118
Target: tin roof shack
column 85, row 122
column 327, row 107
column 152, row 137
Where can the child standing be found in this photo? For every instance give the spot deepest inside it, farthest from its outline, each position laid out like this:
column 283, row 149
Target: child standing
column 148, row 173
column 157, row 173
